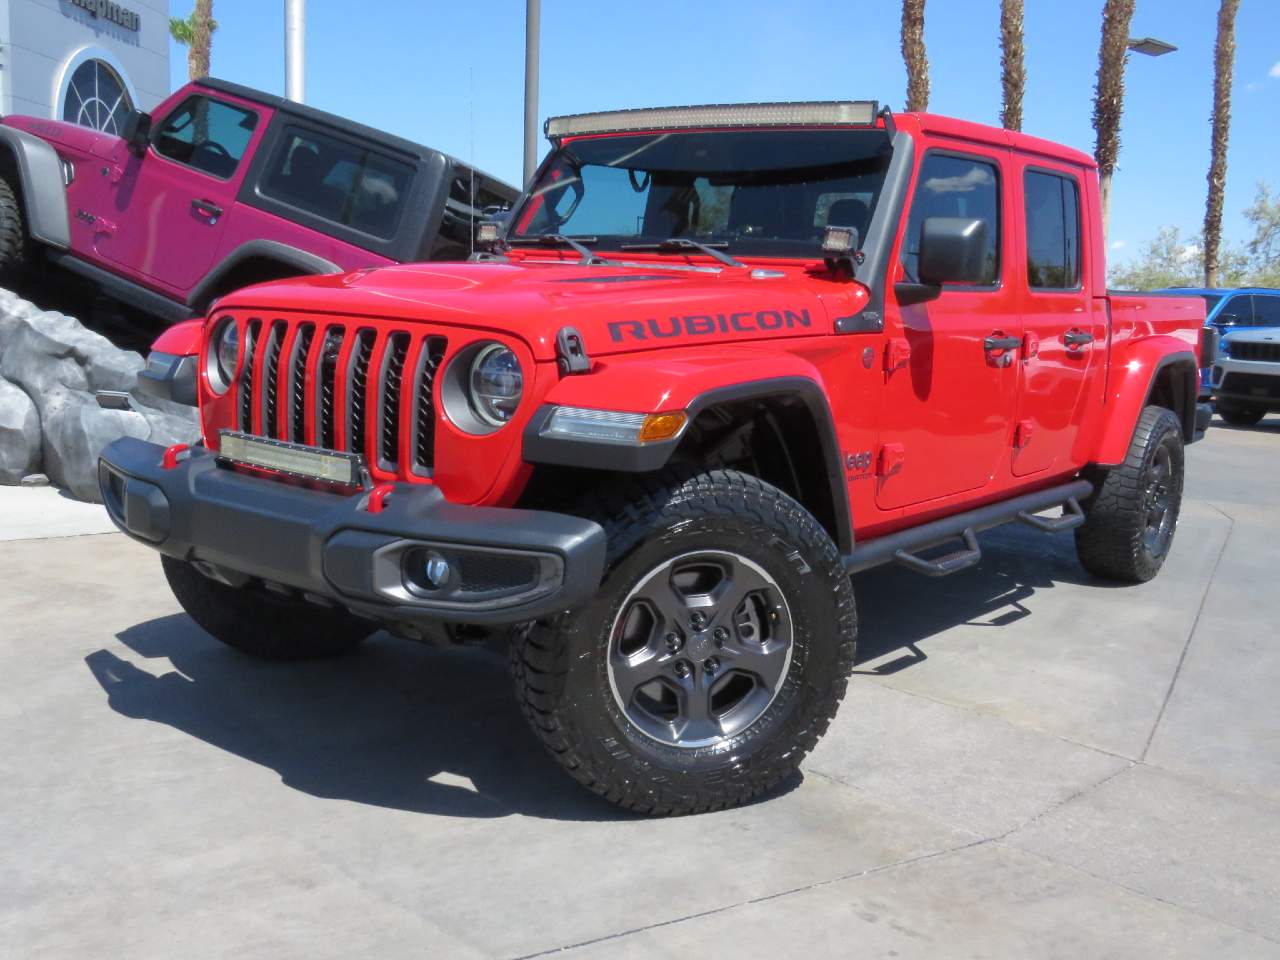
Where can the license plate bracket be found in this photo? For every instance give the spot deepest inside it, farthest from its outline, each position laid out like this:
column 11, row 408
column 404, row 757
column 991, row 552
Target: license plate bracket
column 292, row 459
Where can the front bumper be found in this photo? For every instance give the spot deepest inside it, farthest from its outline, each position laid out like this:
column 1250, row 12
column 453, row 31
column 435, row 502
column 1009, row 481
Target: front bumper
column 1256, row 382
column 503, row 565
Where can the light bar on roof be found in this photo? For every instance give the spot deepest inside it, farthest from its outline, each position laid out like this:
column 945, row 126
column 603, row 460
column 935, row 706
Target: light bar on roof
column 810, row 114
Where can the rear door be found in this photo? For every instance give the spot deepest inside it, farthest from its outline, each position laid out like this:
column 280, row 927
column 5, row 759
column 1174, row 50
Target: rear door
column 948, row 400
column 1063, row 342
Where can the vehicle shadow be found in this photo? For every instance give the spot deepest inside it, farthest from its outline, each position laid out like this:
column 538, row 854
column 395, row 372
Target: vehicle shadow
column 395, row 724
column 900, row 610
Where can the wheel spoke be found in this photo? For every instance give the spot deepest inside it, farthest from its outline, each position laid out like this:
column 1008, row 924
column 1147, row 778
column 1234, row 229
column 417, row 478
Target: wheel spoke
column 671, row 605
column 763, row 661
column 696, row 721
column 740, row 582
column 632, row 673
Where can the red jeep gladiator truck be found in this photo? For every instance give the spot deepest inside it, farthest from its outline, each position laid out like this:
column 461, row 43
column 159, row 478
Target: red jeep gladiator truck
column 717, row 360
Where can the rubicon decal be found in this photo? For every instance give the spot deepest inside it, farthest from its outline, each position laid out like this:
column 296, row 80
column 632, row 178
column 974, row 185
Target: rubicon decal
column 706, row 324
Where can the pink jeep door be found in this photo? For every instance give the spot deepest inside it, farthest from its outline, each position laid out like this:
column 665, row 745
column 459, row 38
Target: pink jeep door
column 170, row 205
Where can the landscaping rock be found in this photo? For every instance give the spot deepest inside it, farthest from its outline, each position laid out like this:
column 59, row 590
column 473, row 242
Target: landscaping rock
column 19, row 434
column 59, row 366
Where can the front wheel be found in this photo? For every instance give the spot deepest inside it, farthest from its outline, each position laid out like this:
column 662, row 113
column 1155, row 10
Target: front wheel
column 1238, row 415
column 1133, row 511
column 713, row 657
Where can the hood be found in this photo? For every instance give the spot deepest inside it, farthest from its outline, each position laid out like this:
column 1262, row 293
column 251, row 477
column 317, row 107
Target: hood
column 616, row 309
column 72, row 137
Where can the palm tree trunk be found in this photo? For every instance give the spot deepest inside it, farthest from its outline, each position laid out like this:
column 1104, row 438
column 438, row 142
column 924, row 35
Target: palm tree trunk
column 1224, row 56
column 201, row 40
column 913, row 55
column 1108, row 102
column 1013, row 73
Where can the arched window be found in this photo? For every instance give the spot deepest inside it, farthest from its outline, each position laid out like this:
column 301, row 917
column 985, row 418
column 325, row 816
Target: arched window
column 96, row 97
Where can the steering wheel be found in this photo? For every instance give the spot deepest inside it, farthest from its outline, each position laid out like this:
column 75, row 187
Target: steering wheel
column 216, row 147
column 643, row 184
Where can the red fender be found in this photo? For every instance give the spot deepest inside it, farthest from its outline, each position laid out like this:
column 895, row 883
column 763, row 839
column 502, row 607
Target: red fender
column 1129, row 385
column 181, row 340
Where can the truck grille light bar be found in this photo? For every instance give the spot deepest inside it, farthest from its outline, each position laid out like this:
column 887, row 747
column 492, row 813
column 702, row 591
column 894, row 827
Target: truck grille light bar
column 803, row 114
column 347, row 388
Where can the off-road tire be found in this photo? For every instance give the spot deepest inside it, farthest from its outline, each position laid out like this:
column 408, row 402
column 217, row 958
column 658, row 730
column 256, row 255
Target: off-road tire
column 261, row 623
column 13, row 233
column 560, row 666
column 1112, row 542
column 1238, row 415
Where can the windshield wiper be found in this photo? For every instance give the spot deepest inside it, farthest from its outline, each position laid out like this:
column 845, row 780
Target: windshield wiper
column 684, row 244
column 576, row 244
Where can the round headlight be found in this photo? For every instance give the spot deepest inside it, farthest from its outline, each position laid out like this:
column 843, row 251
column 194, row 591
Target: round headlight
column 495, row 384
column 224, row 355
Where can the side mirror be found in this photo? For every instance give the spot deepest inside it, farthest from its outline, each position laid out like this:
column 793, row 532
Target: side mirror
column 136, row 131
column 952, row 250
column 1228, row 320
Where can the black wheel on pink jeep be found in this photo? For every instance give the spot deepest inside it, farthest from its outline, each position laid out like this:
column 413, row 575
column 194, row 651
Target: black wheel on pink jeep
column 13, row 232
column 1133, row 511
column 711, row 660
column 261, row 623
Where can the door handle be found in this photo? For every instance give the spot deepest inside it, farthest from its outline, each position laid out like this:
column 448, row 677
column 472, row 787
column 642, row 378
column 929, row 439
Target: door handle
column 1076, row 338
column 994, row 342
column 210, row 210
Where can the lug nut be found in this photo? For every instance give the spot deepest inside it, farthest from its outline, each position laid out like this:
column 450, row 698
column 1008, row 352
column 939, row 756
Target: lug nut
column 722, row 636
column 698, row 621
column 712, row 665
column 674, row 643
column 682, row 670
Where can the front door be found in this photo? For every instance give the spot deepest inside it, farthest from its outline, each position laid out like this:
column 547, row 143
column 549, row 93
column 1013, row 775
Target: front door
column 1064, row 336
column 951, row 377
column 169, row 205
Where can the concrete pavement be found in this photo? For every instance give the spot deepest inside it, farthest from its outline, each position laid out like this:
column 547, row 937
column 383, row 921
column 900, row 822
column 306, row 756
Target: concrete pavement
column 1027, row 764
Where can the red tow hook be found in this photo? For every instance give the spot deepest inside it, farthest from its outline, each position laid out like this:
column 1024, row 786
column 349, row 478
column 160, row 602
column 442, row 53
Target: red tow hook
column 170, row 459
column 378, row 497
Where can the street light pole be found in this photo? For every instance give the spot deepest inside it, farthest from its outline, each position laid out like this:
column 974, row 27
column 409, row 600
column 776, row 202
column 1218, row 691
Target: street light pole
column 532, row 27
column 295, row 44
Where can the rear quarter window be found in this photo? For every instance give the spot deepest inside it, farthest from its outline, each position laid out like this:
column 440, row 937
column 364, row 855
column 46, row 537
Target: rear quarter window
column 347, row 184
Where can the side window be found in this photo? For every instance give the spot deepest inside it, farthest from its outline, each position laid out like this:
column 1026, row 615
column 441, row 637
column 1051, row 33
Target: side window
column 1053, row 231
column 1266, row 311
column 339, row 181
column 1236, row 312
column 951, row 186
column 206, row 134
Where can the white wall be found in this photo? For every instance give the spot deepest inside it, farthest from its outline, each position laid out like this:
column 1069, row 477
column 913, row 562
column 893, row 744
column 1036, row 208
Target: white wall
column 39, row 38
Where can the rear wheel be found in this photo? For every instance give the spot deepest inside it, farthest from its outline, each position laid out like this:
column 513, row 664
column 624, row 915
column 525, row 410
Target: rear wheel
column 261, row 623
column 711, row 660
column 1237, row 414
column 1133, row 511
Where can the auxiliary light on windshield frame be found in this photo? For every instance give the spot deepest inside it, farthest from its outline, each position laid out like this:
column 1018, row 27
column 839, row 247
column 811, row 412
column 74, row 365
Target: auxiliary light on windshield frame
column 814, row 113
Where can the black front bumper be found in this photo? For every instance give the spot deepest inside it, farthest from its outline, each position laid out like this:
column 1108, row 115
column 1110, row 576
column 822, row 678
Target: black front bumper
column 1204, row 416
column 503, row 565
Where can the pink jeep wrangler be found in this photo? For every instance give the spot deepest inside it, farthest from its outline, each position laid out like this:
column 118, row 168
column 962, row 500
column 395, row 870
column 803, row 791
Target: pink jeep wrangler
column 228, row 186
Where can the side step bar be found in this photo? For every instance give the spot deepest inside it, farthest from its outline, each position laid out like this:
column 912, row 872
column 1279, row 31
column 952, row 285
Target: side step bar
column 904, row 546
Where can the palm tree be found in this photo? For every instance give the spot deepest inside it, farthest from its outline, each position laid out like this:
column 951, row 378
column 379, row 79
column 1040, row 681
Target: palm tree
column 913, row 55
column 1013, row 73
column 1108, row 102
column 196, row 34
column 1224, row 56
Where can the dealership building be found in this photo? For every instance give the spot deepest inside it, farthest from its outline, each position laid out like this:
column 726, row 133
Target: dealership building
column 86, row 61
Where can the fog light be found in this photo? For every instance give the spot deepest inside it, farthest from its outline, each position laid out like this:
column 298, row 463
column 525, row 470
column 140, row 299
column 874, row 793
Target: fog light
column 435, row 570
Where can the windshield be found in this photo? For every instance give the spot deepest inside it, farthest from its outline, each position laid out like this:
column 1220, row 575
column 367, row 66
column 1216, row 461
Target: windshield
column 755, row 193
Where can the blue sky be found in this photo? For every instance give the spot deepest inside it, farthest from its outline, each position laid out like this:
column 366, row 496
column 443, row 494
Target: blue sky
column 451, row 74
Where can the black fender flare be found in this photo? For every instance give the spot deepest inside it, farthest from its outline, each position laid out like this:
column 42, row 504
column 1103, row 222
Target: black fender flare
column 269, row 250
column 44, row 194
column 538, row 448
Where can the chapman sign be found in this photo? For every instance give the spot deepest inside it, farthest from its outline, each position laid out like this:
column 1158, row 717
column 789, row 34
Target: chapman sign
column 105, row 10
